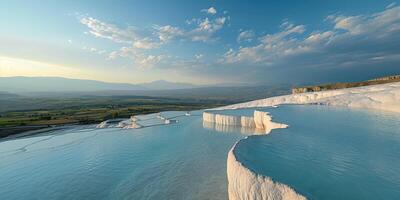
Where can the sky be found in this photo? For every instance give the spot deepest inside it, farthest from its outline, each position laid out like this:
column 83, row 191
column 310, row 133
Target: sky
column 201, row 42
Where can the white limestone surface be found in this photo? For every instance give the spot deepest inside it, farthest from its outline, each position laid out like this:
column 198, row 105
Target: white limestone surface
column 111, row 123
column 247, row 122
column 133, row 125
column 264, row 121
column 260, row 121
column 382, row 97
column 134, row 118
column 247, row 185
column 102, row 125
column 208, row 117
column 124, row 123
column 244, row 184
column 227, row 120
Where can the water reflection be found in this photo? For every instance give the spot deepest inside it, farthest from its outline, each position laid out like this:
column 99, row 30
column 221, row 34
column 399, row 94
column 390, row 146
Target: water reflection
column 232, row 129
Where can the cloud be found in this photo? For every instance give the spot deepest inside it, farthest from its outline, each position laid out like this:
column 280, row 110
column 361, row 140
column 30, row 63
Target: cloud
column 347, row 43
column 292, row 41
column 270, row 47
column 245, row 36
column 150, row 60
column 388, row 21
column 94, row 50
column 198, row 56
column 211, row 11
column 287, row 31
column 128, row 35
column 146, row 43
column 203, row 30
column 143, row 60
column 168, row 32
column 206, row 28
column 391, row 5
column 137, row 42
column 352, row 43
column 109, row 31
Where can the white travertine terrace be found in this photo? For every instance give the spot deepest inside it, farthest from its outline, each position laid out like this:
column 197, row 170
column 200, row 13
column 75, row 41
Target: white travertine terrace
column 138, row 121
column 129, row 123
column 102, row 125
column 134, row 118
column 208, row 117
column 109, row 123
column 227, row 119
column 126, row 124
column 227, row 129
column 123, row 124
column 260, row 121
column 247, row 122
column 245, row 184
column 382, row 97
column 134, row 124
column 264, row 121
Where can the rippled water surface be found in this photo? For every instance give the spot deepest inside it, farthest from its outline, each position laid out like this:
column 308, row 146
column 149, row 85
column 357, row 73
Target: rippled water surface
column 176, row 161
column 329, row 153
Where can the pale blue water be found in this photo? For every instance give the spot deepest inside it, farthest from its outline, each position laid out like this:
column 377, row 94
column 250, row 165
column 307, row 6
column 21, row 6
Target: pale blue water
column 177, row 161
column 329, row 153
column 326, row 153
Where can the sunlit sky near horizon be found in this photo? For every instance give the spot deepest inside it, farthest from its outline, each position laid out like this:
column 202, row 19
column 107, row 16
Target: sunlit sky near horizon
column 201, row 42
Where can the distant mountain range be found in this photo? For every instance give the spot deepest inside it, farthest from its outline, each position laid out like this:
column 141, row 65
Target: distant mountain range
column 19, row 84
column 166, row 85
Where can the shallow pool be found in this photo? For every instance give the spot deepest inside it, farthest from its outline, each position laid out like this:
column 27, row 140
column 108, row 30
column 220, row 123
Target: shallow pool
column 329, row 153
column 326, row 153
column 176, row 161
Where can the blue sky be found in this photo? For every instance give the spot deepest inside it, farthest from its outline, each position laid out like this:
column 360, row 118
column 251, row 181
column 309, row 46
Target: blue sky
column 202, row 42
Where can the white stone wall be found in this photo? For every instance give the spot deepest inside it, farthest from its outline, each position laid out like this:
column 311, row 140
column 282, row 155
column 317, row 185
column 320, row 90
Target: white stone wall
column 243, row 184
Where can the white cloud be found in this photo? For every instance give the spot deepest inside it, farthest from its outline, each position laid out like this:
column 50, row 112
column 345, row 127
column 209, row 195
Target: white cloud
column 288, row 30
column 391, row 5
column 168, row 32
column 203, row 30
column 191, row 21
column 211, row 11
column 245, row 36
column 387, row 20
column 136, row 44
column 270, row 47
column 319, row 37
column 350, row 34
column 198, row 56
column 286, row 25
column 150, row 60
column 128, row 35
column 141, row 59
column 94, row 50
column 206, row 28
column 109, row 31
column 146, row 43
column 211, row 26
